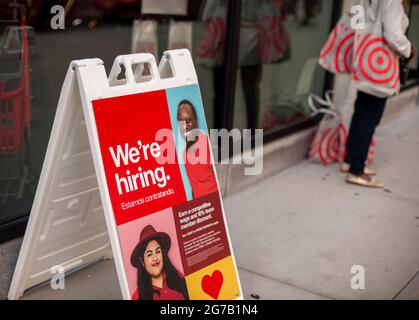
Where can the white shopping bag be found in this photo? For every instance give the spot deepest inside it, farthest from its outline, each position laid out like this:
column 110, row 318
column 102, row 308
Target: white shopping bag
column 376, row 68
column 329, row 143
column 337, row 53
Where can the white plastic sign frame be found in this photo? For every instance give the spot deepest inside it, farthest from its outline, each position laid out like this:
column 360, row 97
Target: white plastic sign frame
column 70, row 224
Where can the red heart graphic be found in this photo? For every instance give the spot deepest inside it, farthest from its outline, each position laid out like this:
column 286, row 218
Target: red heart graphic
column 212, row 284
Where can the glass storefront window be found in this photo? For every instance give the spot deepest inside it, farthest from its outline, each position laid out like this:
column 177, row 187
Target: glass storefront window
column 31, row 80
column 280, row 41
column 271, row 86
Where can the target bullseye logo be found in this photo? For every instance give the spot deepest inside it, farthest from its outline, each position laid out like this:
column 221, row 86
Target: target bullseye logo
column 344, row 54
column 380, row 61
column 279, row 34
column 337, row 53
column 273, row 39
column 377, row 62
column 264, row 44
column 329, row 143
column 213, row 40
column 334, row 144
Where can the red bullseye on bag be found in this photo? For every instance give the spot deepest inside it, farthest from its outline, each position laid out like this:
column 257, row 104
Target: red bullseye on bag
column 337, row 54
column 329, row 143
column 376, row 66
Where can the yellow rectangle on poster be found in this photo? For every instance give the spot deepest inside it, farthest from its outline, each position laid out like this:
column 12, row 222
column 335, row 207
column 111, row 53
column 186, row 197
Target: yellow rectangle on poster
column 215, row 282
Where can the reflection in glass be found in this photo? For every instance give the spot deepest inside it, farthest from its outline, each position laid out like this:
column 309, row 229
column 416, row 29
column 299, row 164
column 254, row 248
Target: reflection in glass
column 31, row 80
column 283, row 39
column 16, row 172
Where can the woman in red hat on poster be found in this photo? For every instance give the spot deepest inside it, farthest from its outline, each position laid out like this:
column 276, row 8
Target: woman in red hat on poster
column 157, row 278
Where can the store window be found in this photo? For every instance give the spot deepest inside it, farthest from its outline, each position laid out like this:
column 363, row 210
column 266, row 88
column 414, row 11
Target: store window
column 279, row 45
column 239, row 88
column 36, row 49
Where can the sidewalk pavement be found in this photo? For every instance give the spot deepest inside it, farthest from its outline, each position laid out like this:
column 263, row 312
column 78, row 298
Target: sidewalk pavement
column 298, row 234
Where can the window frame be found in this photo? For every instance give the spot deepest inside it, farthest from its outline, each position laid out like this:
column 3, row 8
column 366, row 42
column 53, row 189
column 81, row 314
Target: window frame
column 14, row 226
column 279, row 133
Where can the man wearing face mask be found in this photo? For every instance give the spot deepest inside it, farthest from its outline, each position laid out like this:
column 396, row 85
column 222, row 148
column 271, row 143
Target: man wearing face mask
column 197, row 156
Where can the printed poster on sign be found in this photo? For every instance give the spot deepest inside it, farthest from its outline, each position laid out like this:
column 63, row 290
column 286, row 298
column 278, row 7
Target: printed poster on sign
column 165, row 198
